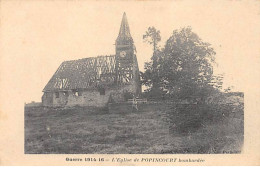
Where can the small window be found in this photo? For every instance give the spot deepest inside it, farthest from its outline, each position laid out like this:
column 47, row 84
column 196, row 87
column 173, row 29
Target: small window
column 79, row 93
column 66, row 94
column 102, row 91
column 57, row 94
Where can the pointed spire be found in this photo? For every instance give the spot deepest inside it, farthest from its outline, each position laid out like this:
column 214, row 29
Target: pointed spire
column 124, row 32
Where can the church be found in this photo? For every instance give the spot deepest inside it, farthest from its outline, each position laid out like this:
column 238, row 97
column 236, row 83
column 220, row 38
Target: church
column 96, row 81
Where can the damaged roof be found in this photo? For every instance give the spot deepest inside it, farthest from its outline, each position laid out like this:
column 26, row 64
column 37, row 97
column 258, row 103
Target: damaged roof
column 83, row 74
column 124, row 32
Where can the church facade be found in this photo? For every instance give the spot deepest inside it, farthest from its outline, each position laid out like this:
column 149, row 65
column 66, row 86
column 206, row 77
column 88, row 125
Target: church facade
column 98, row 80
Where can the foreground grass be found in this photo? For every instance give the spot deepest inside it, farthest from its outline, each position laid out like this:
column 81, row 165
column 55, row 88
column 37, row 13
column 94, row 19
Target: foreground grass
column 168, row 130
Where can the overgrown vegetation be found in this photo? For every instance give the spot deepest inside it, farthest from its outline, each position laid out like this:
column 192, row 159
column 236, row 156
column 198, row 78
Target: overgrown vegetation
column 164, row 128
column 213, row 128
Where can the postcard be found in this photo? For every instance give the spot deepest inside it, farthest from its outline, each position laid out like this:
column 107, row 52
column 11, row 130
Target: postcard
column 130, row 83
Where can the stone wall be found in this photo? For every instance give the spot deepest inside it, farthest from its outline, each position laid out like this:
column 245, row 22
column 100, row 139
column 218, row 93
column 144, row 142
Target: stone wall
column 47, row 99
column 87, row 98
column 61, row 100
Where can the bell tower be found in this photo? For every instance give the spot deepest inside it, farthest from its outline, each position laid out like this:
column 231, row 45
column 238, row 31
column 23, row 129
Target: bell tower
column 127, row 71
column 124, row 41
column 126, row 62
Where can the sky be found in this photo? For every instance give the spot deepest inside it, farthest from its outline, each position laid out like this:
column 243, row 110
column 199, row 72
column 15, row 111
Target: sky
column 37, row 36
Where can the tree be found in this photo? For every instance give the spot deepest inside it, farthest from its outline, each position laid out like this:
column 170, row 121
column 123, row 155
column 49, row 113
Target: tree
column 217, row 81
column 187, row 64
column 153, row 37
column 151, row 75
column 183, row 68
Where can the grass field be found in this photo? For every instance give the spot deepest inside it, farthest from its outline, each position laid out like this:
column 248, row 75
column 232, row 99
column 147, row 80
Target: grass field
column 163, row 131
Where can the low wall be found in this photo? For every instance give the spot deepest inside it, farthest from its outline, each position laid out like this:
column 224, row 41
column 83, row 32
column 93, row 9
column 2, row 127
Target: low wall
column 33, row 104
column 126, row 107
column 87, row 98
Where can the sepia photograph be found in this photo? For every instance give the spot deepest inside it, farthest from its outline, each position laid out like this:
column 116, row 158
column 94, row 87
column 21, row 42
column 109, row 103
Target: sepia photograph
column 105, row 104
column 129, row 78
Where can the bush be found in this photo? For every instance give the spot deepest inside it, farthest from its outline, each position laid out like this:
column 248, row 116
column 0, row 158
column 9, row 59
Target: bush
column 188, row 118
